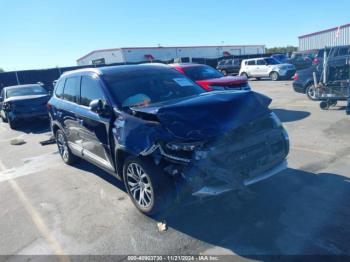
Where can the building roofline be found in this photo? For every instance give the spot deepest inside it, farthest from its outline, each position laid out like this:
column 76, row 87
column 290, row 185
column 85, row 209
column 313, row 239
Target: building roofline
column 325, row 31
column 160, row 47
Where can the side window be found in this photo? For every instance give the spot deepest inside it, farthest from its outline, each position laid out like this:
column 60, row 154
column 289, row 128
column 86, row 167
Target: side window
column 344, row 51
column 59, row 88
column 90, row 90
column 251, row 62
column 71, row 89
column 260, row 62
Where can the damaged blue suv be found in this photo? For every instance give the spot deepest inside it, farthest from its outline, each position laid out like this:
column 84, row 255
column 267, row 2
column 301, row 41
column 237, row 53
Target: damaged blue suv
column 163, row 135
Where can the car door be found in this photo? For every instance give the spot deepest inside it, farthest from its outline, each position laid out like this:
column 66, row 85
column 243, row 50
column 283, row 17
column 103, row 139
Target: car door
column 94, row 127
column 252, row 68
column 66, row 112
column 261, row 68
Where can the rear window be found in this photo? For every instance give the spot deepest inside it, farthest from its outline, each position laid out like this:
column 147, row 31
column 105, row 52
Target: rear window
column 59, row 89
column 71, row 89
column 143, row 87
column 202, row 72
column 26, row 91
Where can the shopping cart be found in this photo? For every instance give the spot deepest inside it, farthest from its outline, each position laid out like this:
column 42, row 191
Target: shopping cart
column 333, row 92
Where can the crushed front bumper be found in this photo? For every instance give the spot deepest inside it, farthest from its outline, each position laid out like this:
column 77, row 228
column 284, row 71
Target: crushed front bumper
column 217, row 190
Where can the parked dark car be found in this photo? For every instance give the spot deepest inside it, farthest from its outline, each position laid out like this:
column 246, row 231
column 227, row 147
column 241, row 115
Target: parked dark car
column 229, row 66
column 302, row 59
column 211, row 79
column 163, row 134
column 23, row 102
column 318, row 59
column 304, row 81
column 280, row 57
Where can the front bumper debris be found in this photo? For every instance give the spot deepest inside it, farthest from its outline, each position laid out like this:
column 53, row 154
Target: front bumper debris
column 217, row 190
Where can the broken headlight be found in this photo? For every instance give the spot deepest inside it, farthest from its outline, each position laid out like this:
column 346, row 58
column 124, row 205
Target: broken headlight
column 174, row 146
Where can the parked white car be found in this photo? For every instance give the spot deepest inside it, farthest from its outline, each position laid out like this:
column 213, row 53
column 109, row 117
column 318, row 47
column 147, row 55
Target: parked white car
column 266, row 67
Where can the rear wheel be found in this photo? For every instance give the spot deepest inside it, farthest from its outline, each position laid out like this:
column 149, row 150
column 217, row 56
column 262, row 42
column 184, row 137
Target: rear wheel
column 244, row 74
column 274, row 76
column 311, row 92
column 63, row 148
column 150, row 189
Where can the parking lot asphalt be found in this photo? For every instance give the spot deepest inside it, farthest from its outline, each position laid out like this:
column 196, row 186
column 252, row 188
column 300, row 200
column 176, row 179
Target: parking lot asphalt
column 48, row 207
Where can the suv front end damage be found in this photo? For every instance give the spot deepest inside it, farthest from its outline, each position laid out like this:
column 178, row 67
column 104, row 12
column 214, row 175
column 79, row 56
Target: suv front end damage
column 238, row 142
column 239, row 158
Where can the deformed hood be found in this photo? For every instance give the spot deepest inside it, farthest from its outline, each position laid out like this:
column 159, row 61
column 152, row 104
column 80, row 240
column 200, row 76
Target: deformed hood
column 209, row 114
column 29, row 100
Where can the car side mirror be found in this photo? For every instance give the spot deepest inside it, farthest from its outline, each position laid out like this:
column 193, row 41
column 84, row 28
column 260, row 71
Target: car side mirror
column 99, row 107
column 96, row 106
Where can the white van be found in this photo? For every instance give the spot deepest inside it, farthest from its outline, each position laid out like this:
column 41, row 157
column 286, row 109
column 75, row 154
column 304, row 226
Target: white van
column 266, row 67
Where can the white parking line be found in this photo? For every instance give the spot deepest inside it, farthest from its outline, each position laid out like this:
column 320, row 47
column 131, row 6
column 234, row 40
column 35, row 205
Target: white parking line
column 36, row 218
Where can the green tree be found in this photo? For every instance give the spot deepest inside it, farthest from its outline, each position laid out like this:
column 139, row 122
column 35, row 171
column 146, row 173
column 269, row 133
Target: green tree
column 287, row 49
column 1, row 70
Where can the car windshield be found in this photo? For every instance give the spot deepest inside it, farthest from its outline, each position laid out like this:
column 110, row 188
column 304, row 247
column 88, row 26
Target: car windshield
column 271, row 61
column 146, row 87
column 26, row 91
column 202, row 72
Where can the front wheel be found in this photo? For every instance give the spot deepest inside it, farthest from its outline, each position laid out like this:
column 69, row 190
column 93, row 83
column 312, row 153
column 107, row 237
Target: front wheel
column 274, row 76
column 150, row 189
column 4, row 119
column 12, row 123
column 63, row 148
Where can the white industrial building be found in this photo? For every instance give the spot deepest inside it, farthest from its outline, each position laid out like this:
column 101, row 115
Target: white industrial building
column 142, row 54
column 326, row 38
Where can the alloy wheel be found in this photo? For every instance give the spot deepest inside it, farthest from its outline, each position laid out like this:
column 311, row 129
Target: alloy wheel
column 311, row 92
column 139, row 185
column 62, row 146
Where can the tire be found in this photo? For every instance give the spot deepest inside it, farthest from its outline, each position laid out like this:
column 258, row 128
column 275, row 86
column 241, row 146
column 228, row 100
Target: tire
column 244, row 74
column 224, row 72
column 63, row 149
column 4, row 119
column 12, row 123
column 324, row 105
column 310, row 92
column 158, row 188
column 274, row 76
